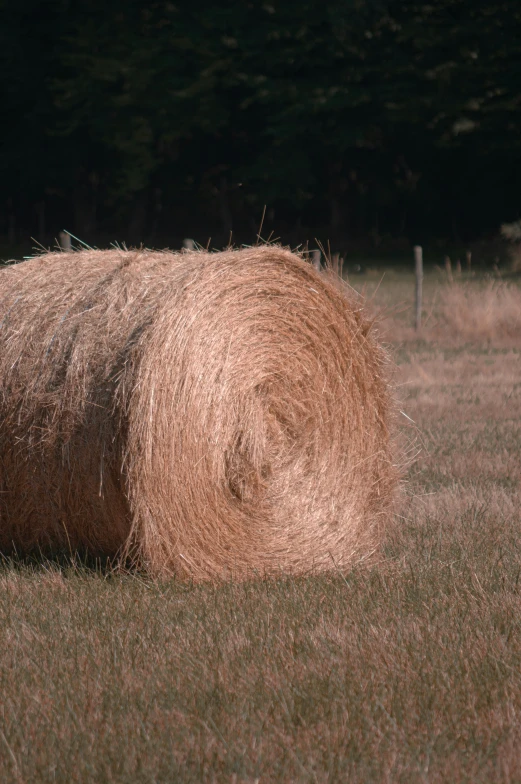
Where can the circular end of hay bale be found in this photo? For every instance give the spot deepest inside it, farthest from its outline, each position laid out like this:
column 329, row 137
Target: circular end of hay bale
column 267, row 446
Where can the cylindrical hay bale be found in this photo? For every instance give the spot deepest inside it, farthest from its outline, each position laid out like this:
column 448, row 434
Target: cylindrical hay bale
column 206, row 414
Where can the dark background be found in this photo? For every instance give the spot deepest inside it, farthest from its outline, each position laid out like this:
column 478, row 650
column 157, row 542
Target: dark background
column 367, row 124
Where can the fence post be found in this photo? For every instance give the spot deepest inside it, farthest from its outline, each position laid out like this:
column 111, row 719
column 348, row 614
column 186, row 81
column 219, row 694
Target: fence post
column 448, row 268
column 337, row 263
column 468, row 256
column 418, row 265
column 65, row 241
column 316, row 260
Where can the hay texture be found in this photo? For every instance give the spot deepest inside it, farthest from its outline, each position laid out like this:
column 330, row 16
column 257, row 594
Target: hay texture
column 205, row 414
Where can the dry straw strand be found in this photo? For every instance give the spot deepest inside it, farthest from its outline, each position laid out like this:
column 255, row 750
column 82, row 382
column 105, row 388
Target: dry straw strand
column 206, row 414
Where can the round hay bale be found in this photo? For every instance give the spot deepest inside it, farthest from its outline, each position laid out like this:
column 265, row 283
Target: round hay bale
column 206, row 414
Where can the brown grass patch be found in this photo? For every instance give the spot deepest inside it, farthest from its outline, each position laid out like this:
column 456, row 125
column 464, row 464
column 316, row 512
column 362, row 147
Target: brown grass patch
column 490, row 312
column 205, row 413
column 469, row 310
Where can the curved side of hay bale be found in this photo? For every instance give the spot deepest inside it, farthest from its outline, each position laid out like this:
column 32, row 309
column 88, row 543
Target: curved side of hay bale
column 208, row 413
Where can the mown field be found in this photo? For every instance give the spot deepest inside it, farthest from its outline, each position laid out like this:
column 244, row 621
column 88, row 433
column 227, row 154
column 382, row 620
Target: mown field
column 408, row 670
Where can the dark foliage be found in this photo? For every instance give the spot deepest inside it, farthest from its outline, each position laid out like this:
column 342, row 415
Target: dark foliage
column 350, row 118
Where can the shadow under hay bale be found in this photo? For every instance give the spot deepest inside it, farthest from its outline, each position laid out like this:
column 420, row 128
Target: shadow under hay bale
column 205, row 414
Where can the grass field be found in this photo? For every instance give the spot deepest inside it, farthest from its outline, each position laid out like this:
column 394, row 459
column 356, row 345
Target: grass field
column 406, row 671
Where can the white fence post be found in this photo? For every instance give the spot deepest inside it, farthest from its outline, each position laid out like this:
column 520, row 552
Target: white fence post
column 418, row 265
column 65, row 241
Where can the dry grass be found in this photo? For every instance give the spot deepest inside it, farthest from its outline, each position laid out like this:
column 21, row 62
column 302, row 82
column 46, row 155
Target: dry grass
column 489, row 313
column 472, row 310
column 408, row 671
column 208, row 414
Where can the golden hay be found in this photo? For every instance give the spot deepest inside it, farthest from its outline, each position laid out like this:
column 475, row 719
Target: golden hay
column 206, row 414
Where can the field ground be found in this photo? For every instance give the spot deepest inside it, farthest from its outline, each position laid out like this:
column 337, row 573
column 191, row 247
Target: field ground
column 406, row 671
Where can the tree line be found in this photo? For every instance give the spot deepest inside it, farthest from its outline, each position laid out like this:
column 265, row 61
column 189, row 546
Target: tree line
column 360, row 119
